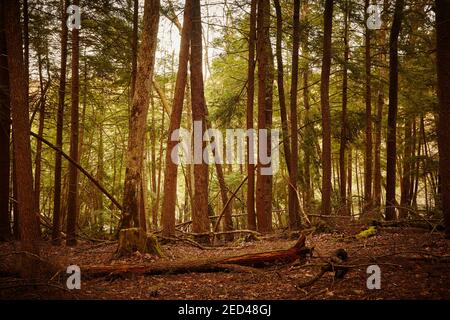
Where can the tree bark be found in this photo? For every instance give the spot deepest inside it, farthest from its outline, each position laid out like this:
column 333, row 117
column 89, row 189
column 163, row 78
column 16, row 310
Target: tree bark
column 170, row 176
column 5, row 136
column 344, row 130
column 325, row 104
column 251, row 216
column 294, row 205
column 20, row 124
column 138, row 116
column 73, row 196
column 265, row 90
column 200, row 217
column 368, row 133
column 390, row 213
column 443, row 72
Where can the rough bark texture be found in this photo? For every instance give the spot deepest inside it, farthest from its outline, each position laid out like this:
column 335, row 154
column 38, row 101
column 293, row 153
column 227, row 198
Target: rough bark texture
column 251, row 215
column 294, row 205
column 20, row 124
column 392, row 114
column 325, row 104
column 56, row 228
column 200, row 217
column 138, row 116
column 170, row 175
column 443, row 72
column 5, row 135
column 73, row 200
column 265, row 90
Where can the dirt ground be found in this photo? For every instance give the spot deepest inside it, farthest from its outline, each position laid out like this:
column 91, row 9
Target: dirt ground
column 414, row 265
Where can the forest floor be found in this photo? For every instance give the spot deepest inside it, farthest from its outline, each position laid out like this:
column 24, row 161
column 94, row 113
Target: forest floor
column 414, row 264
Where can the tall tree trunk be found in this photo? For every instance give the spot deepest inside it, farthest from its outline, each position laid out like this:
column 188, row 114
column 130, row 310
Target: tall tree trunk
column 325, row 104
column 379, row 120
column 392, row 113
column 443, row 72
column 200, row 217
column 138, row 116
column 280, row 82
column 170, row 176
column 294, row 205
column 134, row 47
column 368, row 141
column 5, row 136
column 350, row 182
column 21, row 126
column 265, row 90
column 405, row 199
column 344, row 131
column 307, row 143
column 56, row 228
column 73, row 196
column 37, row 161
column 251, row 216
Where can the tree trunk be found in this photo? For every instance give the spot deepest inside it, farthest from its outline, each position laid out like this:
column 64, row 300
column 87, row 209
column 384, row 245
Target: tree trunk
column 443, row 71
column 200, row 217
column 138, row 116
column 368, row 100
column 170, row 176
column 392, row 113
column 294, row 205
column 73, row 197
column 251, row 216
column 280, row 82
column 56, row 228
column 5, row 136
column 325, row 104
column 405, row 199
column 265, row 89
column 20, row 124
column 344, row 131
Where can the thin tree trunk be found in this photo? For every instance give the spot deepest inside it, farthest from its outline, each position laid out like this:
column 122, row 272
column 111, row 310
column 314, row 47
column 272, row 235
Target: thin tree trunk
column 344, row 130
column 56, row 228
column 405, row 199
column 280, row 81
column 325, row 104
column 294, row 205
column 170, row 176
column 392, row 114
column 73, row 197
column 368, row 141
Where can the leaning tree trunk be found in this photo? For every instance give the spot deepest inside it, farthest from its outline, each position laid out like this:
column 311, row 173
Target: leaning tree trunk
column 392, row 113
column 443, row 71
column 138, row 116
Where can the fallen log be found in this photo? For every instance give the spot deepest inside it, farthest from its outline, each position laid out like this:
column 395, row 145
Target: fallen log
column 253, row 260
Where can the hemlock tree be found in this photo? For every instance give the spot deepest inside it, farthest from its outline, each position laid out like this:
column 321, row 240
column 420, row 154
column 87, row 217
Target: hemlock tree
column 138, row 117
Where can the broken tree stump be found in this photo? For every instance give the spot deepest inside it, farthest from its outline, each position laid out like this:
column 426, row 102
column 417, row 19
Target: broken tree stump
column 255, row 260
column 136, row 239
